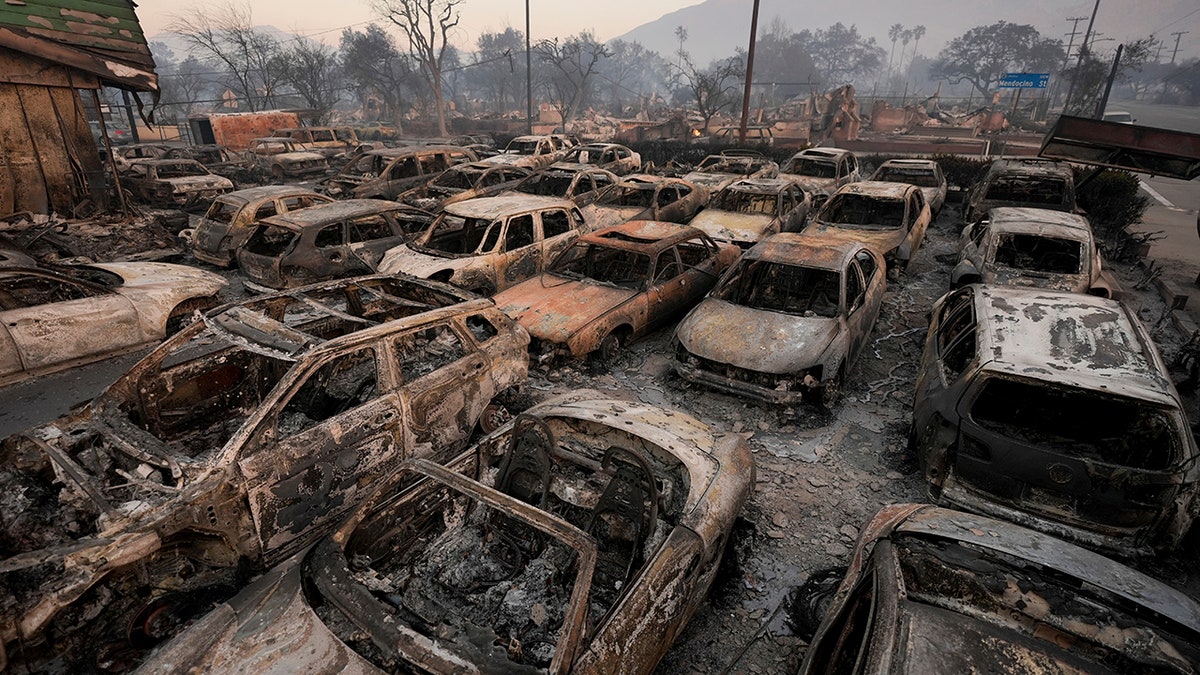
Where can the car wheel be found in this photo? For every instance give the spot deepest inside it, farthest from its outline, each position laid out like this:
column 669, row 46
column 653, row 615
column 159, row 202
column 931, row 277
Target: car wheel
column 609, row 348
column 810, row 602
column 831, row 391
column 495, row 415
column 276, row 171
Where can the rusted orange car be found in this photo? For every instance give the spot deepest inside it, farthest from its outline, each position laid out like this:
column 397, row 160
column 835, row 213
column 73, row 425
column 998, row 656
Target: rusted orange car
column 582, row 539
column 616, row 285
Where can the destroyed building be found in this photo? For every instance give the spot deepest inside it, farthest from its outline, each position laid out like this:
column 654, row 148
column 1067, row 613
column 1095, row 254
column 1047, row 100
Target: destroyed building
column 50, row 52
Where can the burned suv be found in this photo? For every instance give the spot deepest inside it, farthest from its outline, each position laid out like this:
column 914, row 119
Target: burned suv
column 232, row 446
column 1055, row 411
column 1036, row 183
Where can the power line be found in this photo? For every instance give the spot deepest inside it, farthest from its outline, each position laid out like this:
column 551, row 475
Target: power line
column 1194, row 11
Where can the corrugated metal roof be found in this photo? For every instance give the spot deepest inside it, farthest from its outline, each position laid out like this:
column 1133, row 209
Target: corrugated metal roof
column 102, row 37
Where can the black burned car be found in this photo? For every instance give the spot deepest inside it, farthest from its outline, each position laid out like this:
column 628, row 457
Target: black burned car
column 1054, row 410
column 230, row 447
column 582, row 539
column 1032, row 183
column 326, row 241
column 931, row 591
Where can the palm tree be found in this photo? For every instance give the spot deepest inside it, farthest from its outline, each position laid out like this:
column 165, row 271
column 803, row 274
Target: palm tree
column 904, row 39
column 893, row 33
column 917, row 32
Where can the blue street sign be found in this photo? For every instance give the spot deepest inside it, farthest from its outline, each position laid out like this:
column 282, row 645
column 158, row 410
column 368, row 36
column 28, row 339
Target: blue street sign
column 1024, row 81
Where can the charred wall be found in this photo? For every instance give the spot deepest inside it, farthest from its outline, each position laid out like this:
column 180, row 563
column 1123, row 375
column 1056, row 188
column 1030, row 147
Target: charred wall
column 48, row 157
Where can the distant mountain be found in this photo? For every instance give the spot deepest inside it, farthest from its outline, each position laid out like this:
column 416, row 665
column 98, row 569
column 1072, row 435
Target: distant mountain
column 716, row 27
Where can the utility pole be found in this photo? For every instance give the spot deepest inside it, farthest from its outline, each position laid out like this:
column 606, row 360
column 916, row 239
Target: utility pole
column 749, row 76
column 1176, row 50
column 1067, row 58
column 1112, row 75
column 528, row 76
column 1087, row 36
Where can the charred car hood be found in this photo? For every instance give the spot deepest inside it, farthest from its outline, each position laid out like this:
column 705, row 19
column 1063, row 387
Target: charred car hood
column 552, row 308
column 765, row 342
column 880, row 241
column 732, row 226
column 824, row 186
column 421, row 264
column 190, row 183
column 1074, row 283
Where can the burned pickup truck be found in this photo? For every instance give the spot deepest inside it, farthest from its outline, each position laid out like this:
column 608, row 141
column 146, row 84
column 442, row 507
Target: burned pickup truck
column 588, row 538
column 230, row 447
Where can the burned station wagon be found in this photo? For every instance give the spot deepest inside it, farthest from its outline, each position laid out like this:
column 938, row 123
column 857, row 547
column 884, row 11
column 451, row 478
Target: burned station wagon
column 718, row 171
column 924, row 173
column 462, row 182
column 751, row 209
column 582, row 539
column 891, row 218
column 284, row 157
column 1034, row 183
column 326, row 241
column 1031, row 247
column 646, row 197
column 786, row 323
column 821, row 171
column 229, row 448
column 1055, row 411
column 174, row 182
column 386, row 173
column 232, row 218
column 490, row 243
column 608, row 156
column 931, row 591
column 57, row 317
column 616, row 285
column 580, row 183
column 530, row 152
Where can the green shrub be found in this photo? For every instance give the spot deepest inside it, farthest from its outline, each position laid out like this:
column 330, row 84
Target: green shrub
column 1111, row 199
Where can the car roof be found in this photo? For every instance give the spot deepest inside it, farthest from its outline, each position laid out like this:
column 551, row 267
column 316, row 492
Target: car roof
column 320, row 214
column 1049, row 552
column 642, row 236
column 816, row 251
column 1045, row 222
column 249, row 320
column 639, row 179
column 246, row 195
column 877, row 188
column 760, row 185
column 911, row 163
column 1071, row 339
column 505, row 205
column 822, row 153
column 413, row 150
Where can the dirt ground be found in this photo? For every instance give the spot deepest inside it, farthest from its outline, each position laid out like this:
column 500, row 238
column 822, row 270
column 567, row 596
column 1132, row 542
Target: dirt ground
column 820, row 476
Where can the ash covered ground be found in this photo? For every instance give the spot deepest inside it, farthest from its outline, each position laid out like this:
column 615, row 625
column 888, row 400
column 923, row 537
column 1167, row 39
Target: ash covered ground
column 821, row 475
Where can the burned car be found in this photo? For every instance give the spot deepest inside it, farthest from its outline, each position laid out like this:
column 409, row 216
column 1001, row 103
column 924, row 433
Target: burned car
column 66, row 315
column 580, row 183
column 751, row 209
column 327, row 241
column 285, row 158
column 174, row 182
column 646, row 197
column 233, row 217
column 462, row 182
column 386, row 173
column 891, row 218
column 1054, row 410
column 1031, row 247
column 582, row 538
column 488, row 244
column 229, row 448
column 787, row 323
column 924, row 173
column 931, row 591
column 716, row 172
column 821, row 171
column 530, row 152
column 614, row 286
column 327, row 141
column 608, row 156
column 125, row 155
column 1034, row 183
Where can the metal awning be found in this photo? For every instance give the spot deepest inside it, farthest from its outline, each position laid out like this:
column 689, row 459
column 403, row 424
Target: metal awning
column 1158, row 152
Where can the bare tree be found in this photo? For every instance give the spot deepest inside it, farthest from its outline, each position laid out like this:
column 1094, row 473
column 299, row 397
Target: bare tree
column 311, row 68
column 712, row 89
column 227, row 35
column 572, row 63
column 426, row 24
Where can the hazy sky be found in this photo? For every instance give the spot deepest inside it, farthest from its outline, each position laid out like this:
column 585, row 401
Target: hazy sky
column 607, row 18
